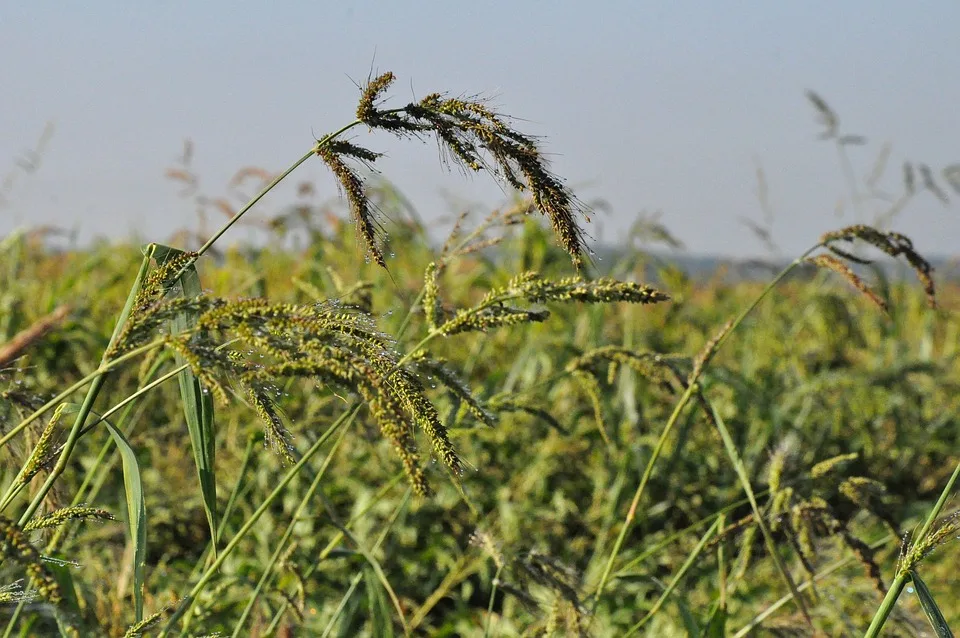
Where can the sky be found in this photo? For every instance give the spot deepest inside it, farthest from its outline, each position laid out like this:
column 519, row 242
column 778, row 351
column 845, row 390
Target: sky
column 649, row 106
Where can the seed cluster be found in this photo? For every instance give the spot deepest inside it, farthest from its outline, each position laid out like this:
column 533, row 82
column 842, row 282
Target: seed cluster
column 476, row 138
column 271, row 342
column 15, row 546
column 891, row 243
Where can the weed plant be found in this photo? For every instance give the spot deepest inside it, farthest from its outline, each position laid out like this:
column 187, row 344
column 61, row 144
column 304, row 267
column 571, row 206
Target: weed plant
column 489, row 439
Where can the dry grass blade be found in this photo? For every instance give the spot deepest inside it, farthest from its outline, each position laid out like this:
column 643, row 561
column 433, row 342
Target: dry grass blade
column 21, row 341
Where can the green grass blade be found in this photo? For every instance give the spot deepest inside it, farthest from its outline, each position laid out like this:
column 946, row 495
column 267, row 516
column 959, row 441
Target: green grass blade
column 69, row 610
column 132, row 296
column 197, row 405
column 930, row 608
column 717, row 623
column 136, row 513
column 136, row 508
column 687, row 617
column 687, row 564
column 377, row 570
column 741, row 471
column 379, row 606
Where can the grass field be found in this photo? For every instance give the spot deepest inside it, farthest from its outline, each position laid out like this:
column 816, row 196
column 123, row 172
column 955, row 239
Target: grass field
column 348, row 431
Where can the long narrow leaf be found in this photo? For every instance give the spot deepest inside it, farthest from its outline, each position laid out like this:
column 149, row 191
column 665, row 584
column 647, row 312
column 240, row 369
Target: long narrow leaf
column 379, row 606
column 136, row 507
column 134, row 289
column 716, row 623
column 136, row 513
column 197, row 405
column 934, row 615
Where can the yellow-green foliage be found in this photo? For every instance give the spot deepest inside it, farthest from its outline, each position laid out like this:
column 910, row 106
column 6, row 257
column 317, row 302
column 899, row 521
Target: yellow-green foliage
column 529, row 393
column 876, row 409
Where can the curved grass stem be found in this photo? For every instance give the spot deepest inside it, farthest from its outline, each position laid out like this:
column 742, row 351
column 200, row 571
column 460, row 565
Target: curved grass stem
column 269, row 187
column 672, row 421
column 903, row 572
column 105, row 367
column 281, row 545
column 201, row 584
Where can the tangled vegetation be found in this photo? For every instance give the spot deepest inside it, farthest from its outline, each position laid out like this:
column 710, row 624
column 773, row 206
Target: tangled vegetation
column 486, row 439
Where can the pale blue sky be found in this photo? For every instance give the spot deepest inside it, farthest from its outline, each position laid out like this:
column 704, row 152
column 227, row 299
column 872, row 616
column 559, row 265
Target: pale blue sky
column 652, row 106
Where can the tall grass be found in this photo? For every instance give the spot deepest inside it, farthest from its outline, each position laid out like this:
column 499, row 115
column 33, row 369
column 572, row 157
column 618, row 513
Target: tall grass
column 487, row 439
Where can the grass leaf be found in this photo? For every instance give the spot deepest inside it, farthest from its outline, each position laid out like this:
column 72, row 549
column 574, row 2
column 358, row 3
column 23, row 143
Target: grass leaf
column 934, row 615
column 379, row 606
column 717, row 623
column 197, row 405
column 136, row 513
column 136, row 507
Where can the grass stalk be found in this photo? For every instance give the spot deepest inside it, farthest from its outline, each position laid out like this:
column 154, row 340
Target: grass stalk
column 672, row 421
column 356, row 579
column 807, row 584
column 102, row 369
column 677, row 577
column 331, row 545
column 903, row 575
column 346, row 417
column 488, row 622
column 761, row 522
column 287, row 533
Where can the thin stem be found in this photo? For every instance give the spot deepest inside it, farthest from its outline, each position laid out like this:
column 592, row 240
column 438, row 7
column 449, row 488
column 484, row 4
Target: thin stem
column 820, row 575
column 136, row 395
column 67, row 450
column 687, row 564
column 248, row 525
column 638, row 493
column 744, row 477
column 356, row 579
column 903, row 575
column 493, row 595
column 674, row 417
column 232, row 501
column 625, row 570
column 851, row 180
column 406, row 320
column 281, row 545
column 339, row 536
column 269, row 187
column 104, row 367
column 256, row 198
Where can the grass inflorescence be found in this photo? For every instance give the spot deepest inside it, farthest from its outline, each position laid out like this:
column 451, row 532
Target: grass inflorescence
column 474, row 439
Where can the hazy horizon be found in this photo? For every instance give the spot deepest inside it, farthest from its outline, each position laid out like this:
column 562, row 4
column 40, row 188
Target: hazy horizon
column 650, row 107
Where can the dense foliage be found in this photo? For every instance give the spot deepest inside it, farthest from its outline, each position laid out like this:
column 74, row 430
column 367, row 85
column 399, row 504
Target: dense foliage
column 484, row 438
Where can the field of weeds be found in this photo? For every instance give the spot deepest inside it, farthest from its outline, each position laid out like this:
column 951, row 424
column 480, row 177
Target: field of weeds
column 351, row 430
